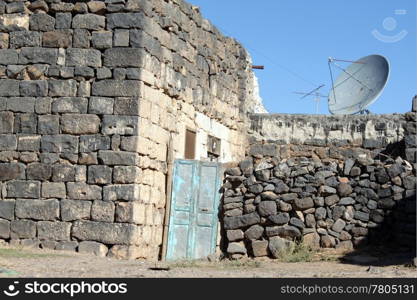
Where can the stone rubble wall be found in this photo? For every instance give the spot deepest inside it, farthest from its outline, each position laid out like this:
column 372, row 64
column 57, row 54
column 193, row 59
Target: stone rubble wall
column 329, row 191
column 94, row 95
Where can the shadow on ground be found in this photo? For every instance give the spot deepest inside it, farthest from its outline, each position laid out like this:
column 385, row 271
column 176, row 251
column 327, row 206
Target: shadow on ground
column 392, row 242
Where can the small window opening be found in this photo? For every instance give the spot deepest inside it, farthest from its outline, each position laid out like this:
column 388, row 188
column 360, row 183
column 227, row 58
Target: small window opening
column 190, row 144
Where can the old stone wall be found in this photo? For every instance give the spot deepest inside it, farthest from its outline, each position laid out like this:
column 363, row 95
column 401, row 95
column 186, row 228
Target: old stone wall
column 333, row 182
column 95, row 96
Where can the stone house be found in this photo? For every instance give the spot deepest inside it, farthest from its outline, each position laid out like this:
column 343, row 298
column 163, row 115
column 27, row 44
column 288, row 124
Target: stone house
column 97, row 100
column 117, row 116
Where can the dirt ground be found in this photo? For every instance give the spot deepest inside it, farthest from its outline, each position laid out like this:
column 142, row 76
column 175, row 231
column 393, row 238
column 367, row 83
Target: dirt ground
column 41, row 263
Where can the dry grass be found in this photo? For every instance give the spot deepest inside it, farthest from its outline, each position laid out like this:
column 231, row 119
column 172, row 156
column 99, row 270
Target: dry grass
column 298, row 252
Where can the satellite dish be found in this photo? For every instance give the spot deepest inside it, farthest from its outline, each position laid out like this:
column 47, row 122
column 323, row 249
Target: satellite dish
column 359, row 85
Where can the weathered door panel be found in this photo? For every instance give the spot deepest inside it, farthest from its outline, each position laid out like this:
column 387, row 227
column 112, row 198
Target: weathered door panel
column 194, row 207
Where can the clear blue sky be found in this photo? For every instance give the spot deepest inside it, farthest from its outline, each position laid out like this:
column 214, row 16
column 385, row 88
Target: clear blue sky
column 300, row 35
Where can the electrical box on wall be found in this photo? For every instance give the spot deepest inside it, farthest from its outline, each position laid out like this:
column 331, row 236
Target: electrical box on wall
column 213, row 145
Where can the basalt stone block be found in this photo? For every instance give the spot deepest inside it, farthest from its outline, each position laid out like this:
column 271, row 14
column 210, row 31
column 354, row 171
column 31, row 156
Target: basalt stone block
column 339, row 225
column 9, row 87
column 48, row 124
column 327, row 241
column 121, row 125
column 269, row 196
column 35, row 88
column 8, row 142
column 57, row 39
column 286, row 231
column 102, row 40
column 93, row 143
column 321, row 213
column 256, row 189
column 127, row 106
column 15, row 7
column 280, row 219
column 62, row 88
column 82, row 191
column 303, row 204
column 123, row 57
column 126, row 20
column 117, row 88
column 236, row 248
column 6, row 122
column 99, row 174
column 331, row 200
column 80, row 124
column 310, row 221
column 56, row 231
column 121, row 38
column 122, row 192
column 234, row 235
column 370, row 194
column 76, row 57
column 297, row 223
column 72, row 210
column 59, row 143
column 279, row 246
column 103, row 211
column 344, row 189
column 22, row 229
column 7, row 209
column 11, row 171
column 346, row 201
column 338, row 212
column 8, row 56
column 39, row 171
column 41, row 22
column 4, row 229
column 254, row 232
column 63, row 173
column 70, row 105
column 101, row 105
column 241, row 221
column 107, row 233
column 21, row 104
column 260, row 248
column 229, row 200
column 19, row 39
column 118, row 158
column 85, row 72
column 267, row 208
column 47, row 210
column 23, row 189
column 410, row 182
column 36, row 55
column 360, row 231
column 362, row 216
column 88, row 21
column 81, row 38
column 53, row 190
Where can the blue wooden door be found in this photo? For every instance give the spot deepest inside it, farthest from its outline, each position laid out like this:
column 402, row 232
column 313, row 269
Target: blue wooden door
column 194, row 210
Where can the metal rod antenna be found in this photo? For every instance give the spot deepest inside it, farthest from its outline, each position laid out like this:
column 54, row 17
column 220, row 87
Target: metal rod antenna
column 313, row 91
